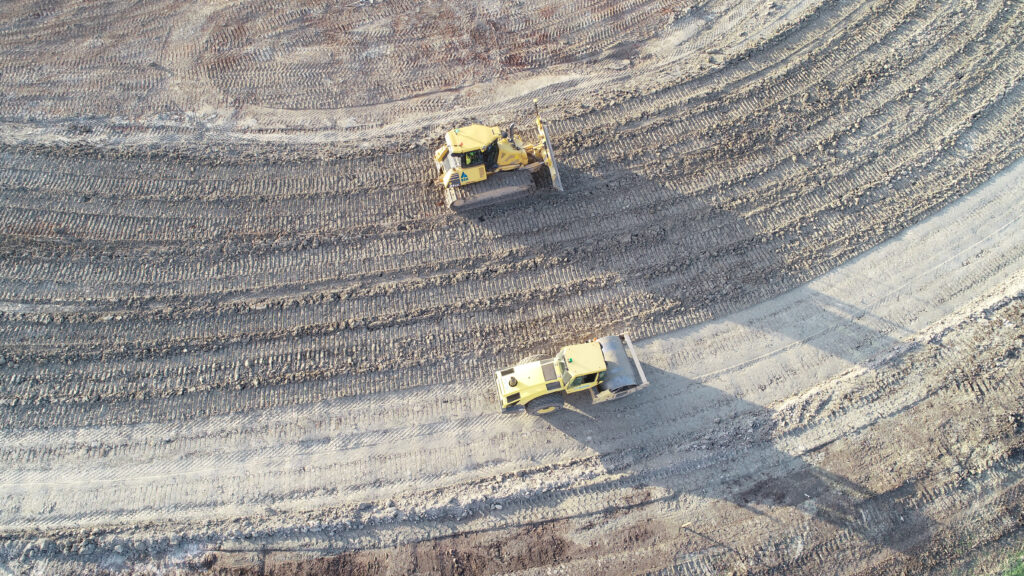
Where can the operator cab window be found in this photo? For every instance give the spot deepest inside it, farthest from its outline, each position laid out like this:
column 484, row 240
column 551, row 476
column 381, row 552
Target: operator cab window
column 581, row 380
column 473, row 158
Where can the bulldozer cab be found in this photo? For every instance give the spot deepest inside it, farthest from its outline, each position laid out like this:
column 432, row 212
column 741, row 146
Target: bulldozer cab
column 487, row 156
column 474, row 137
column 472, row 158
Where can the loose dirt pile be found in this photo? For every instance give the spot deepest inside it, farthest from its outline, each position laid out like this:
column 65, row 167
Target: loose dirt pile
column 239, row 333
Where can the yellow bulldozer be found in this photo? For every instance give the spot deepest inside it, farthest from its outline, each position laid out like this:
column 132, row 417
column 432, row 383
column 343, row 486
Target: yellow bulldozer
column 481, row 165
column 607, row 367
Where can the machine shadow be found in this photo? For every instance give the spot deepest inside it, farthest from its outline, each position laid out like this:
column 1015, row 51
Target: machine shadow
column 697, row 440
column 662, row 274
column 669, row 259
column 835, row 327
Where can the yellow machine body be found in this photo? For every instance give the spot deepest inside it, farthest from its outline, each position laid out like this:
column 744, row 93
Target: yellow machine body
column 608, row 367
column 574, row 369
column 474, row 154
column 478, row 149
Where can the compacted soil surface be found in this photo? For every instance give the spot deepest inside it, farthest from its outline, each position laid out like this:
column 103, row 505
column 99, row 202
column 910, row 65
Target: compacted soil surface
column 241, row 334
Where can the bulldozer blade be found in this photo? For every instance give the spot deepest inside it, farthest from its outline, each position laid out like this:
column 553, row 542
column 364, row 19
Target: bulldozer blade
column 556, row 180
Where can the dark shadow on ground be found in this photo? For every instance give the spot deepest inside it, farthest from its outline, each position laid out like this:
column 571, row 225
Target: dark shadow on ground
column 695, row 439
column 669, row 272
column 835, row 327
column 680, row 435
column 706, row 261
column 677, row 435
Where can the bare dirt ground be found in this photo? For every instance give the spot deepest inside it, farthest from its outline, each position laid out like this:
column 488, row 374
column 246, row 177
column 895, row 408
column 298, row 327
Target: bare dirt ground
column 240, row 335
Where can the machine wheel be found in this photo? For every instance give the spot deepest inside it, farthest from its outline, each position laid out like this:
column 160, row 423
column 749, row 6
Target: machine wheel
column 532, row 358
column 545, row 405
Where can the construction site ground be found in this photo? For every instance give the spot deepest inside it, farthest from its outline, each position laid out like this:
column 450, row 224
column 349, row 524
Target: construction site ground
column 240, row 333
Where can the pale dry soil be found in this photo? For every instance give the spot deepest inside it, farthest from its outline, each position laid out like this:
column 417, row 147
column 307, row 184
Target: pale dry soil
column 240, row 333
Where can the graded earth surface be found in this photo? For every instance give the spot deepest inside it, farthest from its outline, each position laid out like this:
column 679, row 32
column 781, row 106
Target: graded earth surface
column 240, row 333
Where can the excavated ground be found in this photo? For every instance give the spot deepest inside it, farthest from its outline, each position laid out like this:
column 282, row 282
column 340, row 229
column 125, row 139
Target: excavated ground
column 240, row 333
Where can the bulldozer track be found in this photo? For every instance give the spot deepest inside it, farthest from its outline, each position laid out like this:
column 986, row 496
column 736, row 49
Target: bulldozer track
column 235, row 315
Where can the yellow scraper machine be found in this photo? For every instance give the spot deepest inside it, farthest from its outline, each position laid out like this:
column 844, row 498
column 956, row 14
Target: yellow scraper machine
column 481, row 165
column 608, row 367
